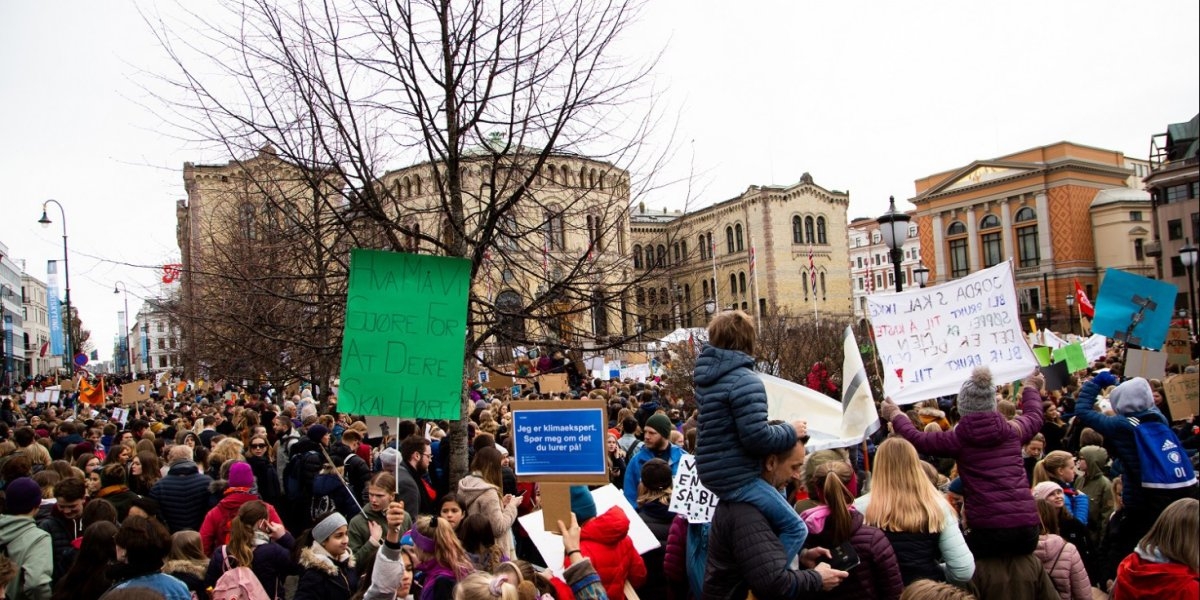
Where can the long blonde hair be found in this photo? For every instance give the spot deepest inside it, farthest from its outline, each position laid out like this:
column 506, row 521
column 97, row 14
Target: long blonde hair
column 1051, row 462
column 1176, row 534
column 902, row 499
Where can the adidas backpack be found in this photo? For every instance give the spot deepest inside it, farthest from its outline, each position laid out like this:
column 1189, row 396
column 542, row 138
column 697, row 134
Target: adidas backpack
column 1167, row 472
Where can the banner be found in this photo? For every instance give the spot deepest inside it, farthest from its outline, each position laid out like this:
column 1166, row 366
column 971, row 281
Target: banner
column 1095, row 347
column 54, row 309
column 930, row 339
column 404, row 335
column 9, row 350
column 828, row 426
column 1138, row 306
column 859, row 416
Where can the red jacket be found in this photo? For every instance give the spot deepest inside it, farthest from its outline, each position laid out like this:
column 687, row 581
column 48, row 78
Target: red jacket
column 605, row 540
column 215, row 530
column 1138, row 579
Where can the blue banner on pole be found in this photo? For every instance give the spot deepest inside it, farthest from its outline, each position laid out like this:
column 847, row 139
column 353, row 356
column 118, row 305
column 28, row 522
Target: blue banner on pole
column 1136, row 306
column 559, row 442
column 54, row 309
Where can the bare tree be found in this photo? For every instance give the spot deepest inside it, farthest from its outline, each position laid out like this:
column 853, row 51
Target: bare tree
column 494, row 103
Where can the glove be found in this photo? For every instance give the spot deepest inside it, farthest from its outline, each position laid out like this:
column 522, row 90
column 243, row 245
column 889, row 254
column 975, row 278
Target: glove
column 1035, row 380
column 1105, row 379
column 888, row 410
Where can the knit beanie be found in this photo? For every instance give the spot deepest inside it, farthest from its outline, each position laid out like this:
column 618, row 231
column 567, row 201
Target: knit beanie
column 656, row 475
column 21, row 496
column 1133, row 396
column 388, row 459
column 977, row 393
column 317, row 432
column 660, row 423
column 241, row 475
column 1043, row 490
column 582, row 503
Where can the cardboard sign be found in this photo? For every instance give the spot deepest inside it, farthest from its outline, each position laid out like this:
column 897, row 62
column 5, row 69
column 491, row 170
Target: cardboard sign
column 404, row 337
column 634, row 358
column 138, row 391
column 930, row 339
column 496, row 381
column 1145, row 363
column 1183, row 395
column 559, row 441
column 1095, row 347
column 120, row 415
column 1178, row 347
column 1124, row 295
column 689, row 497
column 67, row 385
column 1073, row 355
column 553, row 383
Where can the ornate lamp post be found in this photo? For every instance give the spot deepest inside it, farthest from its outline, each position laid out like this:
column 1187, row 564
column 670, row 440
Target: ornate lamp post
column 921, row 275
column 893, row 225
column 1071, row 311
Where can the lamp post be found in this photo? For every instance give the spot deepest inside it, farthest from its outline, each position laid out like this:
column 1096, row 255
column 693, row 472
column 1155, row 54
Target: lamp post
column 1071, row 311
column 893, row 226
column 1038, row 320
column 69, row 352
column 118, row 288
column 1187, row 256
column 921, row 274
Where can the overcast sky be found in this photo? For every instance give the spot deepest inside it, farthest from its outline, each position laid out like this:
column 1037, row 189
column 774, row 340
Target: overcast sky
column 865, row 96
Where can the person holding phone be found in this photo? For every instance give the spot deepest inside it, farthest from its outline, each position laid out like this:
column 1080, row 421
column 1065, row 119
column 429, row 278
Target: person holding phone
column 259, row 543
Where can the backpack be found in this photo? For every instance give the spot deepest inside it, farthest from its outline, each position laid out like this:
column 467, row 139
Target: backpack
column 1167, row 473
column 238, row 583
column 293, row 473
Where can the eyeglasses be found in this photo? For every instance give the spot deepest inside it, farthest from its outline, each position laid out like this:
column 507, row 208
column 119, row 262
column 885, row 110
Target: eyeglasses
column 428, row 455
column 257, row 446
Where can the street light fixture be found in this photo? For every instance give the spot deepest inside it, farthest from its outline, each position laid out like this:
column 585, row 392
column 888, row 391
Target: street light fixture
column 1187, row 256
column 1071, row 311
column 921, row 275
column 894, row 227
column 118, row 288
column 68, row 352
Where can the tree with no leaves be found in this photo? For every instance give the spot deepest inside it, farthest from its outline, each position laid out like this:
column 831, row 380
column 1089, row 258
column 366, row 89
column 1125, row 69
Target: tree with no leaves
column 494, row 102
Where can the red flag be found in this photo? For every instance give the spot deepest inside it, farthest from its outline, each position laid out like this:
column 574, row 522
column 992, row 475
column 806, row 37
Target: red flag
column 812, row 270
column 1085, row 305
column 751, row 262
column 45, row 349
column 171, row 272
column 91, row 394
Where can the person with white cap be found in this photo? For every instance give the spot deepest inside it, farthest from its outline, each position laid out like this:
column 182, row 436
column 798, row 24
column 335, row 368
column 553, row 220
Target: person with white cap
column 324, row 554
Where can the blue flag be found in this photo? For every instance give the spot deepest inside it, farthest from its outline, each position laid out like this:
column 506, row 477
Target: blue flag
column 1123, row 296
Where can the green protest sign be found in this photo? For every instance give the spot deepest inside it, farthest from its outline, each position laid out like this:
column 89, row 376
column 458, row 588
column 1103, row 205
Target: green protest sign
column 1043, row 355
column 1073, row 354
column 402, row 343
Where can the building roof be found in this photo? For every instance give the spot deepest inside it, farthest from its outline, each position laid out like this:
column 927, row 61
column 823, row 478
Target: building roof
column 1184, row 139
column 1120, row 194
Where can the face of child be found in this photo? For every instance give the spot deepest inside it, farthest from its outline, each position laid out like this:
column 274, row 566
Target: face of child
column 93, row 483
column 379, row 498
column 1056, row 498
column 337, row 543
column 452, row 512
column 406, row 582
column 1034, row 449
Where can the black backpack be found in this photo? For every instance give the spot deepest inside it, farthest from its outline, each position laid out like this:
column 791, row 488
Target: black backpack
column 293, row 474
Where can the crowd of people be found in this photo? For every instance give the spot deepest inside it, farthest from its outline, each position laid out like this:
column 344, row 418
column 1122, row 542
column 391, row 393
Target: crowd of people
column 1002, row 491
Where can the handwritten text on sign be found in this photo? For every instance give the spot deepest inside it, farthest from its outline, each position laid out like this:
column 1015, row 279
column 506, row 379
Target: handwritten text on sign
column 402, row 345
column 688, row 496
column 559, row 442
column 931, row 339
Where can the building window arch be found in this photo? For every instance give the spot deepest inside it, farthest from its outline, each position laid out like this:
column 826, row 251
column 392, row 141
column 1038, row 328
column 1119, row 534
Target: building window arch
column 809, row 230
column 960, row 264
column 510, row 319
column 653, row 296
column 797, row 230
column 956, row 228
column 742, row 282
column 821, row 279
column 737, row 234
column 246, row 221
column 683, row 250
column 649, row 257
column 640, row 296
column 675, row 252
column 637, row 256
column 704, row 288
column 989, row 222
column 1028, row 248
column 821, row 237
column 554, row 228
column 729, row 240
column 599, row 313
column 1025, row 214
column 662, row 256
column 708, row 243
column 703, row 248
column 733, row 284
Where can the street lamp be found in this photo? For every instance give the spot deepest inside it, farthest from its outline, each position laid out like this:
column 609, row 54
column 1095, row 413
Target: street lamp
column 1071, row 311
column 69, row 352
column 921, row 274
column 894, row 227
column 1187, row 256
column 1038, row 319
column 118, row 288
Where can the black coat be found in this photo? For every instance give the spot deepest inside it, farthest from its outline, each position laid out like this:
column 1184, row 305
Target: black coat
column 745, row 554
column 322, row 580
column 182, row 496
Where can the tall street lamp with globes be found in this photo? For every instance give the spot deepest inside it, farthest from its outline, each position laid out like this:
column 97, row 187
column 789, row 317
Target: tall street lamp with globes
column 69, row 351
column 1071, row 311
column 893, row 225
column 117, row 289
column 1187, row 256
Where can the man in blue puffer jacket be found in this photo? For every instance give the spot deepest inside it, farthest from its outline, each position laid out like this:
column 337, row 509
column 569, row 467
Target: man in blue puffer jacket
column 734, row 435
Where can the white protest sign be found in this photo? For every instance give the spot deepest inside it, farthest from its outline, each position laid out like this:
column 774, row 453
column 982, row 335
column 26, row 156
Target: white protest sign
column 42, row 397
column 1095, row 347
column 30, row 398
column 689, row 497
column 930, row 339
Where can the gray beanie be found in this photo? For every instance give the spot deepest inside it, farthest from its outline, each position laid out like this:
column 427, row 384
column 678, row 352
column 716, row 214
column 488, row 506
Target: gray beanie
column 977, row 393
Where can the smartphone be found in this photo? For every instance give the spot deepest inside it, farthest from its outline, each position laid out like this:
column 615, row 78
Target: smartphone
column 843, row 557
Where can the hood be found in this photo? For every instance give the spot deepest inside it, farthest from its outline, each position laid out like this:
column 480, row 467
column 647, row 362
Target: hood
column 608, row 528
column 932, row 413
column 814, row 518
column 985, row 428
column 217, row 487
column 195, row 568
column 1152, row 579
column 471, row 487
column 234, row 500
column 183, row 467
column 13, row 527
column 315, row 557
column 714, row 363
column 1050, row 545
column 1096, row 458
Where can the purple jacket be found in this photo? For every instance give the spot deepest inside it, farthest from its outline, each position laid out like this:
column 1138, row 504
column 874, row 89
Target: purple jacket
column 988, row 451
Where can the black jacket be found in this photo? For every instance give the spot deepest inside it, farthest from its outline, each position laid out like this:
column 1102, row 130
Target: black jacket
column 918, row 554
column 62, row 532
column 356, row 470
column 182, row 496
column 744, row 554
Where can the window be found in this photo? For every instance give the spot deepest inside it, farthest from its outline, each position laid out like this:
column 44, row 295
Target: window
column 246, row 221
column 662, row 296
column 732, row 284
column 808, row 230
column 599, row 313
column 703, row 248
column 737, row 234
column 662, row 256
column 1135, row 215
column 1177, row 268
column 859, row 283
column 1026, row 214
column 162, row 343
column 742, row 282
column 956, row 228
column 161, row 327
column 554, row 230
column 708, row 243
column 593, row 227
column 640, row 294
column 1139, row 249
column 653, row 296
column 762, row 306
column 649, row 257
column 683, row 249
column 804, row 280
column 637, row 256
column 821, row 276
column 1027, row 246
column 991, row 249
column 797, row 231
column 1175, row 229
column 860, row 262
column 675, row 250
column 821, row 230
column 729, row 240
column 1176, row 193
column 704, row 288
column 989, row 222
column 959, row 265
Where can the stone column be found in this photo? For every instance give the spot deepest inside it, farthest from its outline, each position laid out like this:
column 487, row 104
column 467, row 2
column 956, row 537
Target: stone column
column 1043, row 221
column 939, row 249
column 1006, row 228
column 972, row 240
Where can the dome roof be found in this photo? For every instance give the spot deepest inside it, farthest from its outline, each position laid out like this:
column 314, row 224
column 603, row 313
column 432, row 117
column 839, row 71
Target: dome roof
column 1120, row 194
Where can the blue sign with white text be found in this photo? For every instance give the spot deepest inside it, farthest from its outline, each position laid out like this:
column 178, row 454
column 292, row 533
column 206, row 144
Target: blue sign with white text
column 559, row 442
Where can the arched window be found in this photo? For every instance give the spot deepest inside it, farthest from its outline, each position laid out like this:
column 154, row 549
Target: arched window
column 804, row 280
column 510, row 319
column 662, row 296
column 797, row 230
column 640, row 295
column 809, row 235
column 708, row 243
column 649, row 257
column 637, row 256
column 990, row 241
column 959, row 262
column 1025, row 214
column 554, row 229
column 989, row 221
column 703, row 248
column 821, row 278
column 737, row 233
column 675, row 251
column 599, row 313
column 729, row 240
column 662, row 256
column 956, row 228
column 742, row 282
column 687, row 294
column 653, row 296
column 417, row 179
column 683, row 250
column 732, row 283
column 1028, row 249
column 704, row 287
column 246, row 221
column 821, row 239
column 408, row 190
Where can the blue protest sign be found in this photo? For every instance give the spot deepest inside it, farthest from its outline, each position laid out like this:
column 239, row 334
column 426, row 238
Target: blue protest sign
column 557, row 440
column 1127, row 300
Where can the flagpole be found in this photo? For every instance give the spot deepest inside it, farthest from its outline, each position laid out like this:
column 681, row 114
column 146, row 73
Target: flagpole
column 812, row 282
column 754, row 285
column 716, row 295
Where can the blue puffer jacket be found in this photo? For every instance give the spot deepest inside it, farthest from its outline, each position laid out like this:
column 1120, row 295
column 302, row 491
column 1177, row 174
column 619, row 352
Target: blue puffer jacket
column 1118, row 434
column 182, row 496
column 734, row 435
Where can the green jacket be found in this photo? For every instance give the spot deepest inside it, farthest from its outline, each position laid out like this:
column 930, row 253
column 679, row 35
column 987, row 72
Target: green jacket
column 360, row 536
column 1099, row 490
column 31, row 551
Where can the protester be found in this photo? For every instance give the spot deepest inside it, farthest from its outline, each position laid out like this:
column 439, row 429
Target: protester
column 114, row 490
column 30, row 548
column 1061, row 558
column 214, row 530
column 481, row 492
column 605, row 540
column 417, row 493
column 440, row 557
column 188, row 562
column 65, row 522
column 654, row 500
column 141, row 547
column 450, row 508
column 656, row 445
column 258, row 543
column 367, row 528
column 182, row 494
column 1058, row 467
column 323, row 553
column 1164, row 564
column 82, row 579
column 266, row 476
column 1098, row 488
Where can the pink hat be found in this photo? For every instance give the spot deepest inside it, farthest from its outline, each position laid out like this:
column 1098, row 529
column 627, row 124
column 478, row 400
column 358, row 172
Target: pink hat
column 1043, row 490
column 240, row 475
